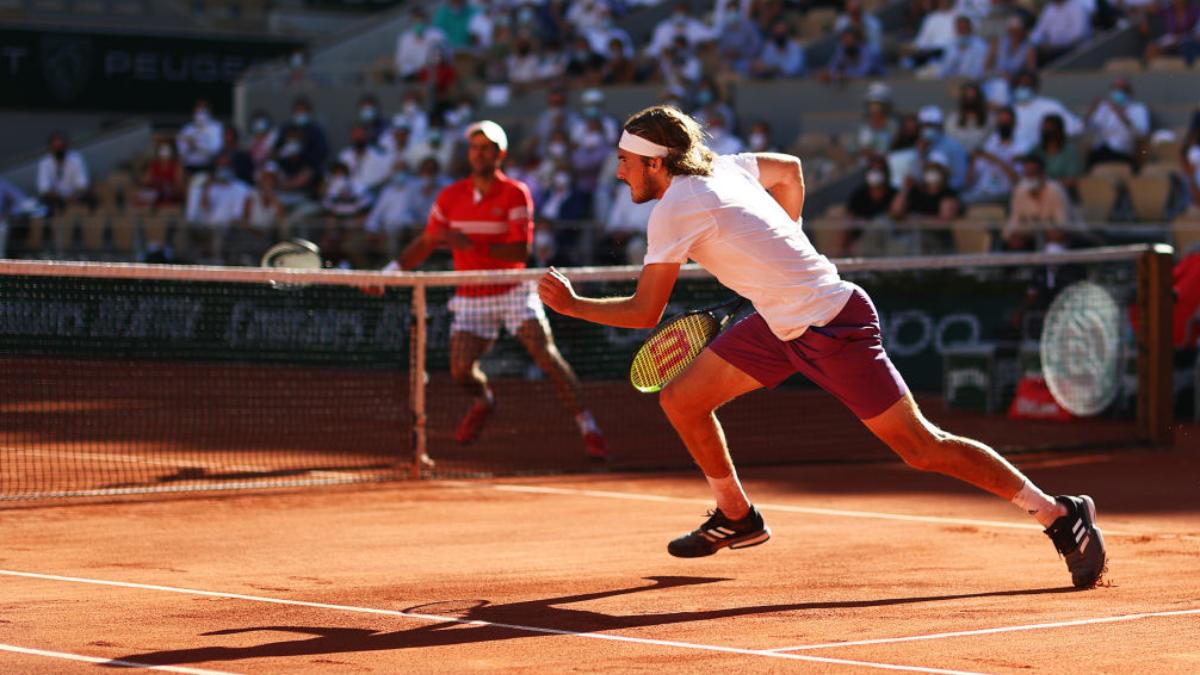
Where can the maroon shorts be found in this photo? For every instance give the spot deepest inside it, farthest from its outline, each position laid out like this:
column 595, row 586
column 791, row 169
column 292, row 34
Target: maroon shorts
column 844, row 357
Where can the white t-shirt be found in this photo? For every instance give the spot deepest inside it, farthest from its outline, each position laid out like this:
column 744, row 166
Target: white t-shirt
column 729, row 224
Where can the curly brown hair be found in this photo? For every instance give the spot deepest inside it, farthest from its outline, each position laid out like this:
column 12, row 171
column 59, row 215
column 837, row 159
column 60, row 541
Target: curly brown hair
column 668, row 126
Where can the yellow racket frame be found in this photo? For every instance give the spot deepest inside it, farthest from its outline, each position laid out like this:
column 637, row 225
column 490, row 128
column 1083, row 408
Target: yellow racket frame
column 670, row 348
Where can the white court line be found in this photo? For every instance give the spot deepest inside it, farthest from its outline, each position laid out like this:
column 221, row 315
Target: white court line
column 108, row 662
column 535, row 489
column 476, row 622
column 992, row 631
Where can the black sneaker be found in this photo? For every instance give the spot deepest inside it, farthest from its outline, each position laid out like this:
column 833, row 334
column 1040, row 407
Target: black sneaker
column 718, row 532
column 1077, row 539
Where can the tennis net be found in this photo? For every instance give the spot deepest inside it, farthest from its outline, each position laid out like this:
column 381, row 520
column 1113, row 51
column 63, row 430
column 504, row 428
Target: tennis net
column 122, row 378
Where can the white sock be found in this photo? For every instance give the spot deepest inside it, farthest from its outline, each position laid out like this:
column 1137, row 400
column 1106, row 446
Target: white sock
column 1038, row 504
column 729, row 495
column 586, row 422
column 488, row 397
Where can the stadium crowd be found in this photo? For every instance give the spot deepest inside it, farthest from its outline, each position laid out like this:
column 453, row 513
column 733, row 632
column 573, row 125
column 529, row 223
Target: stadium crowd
column 226, row 194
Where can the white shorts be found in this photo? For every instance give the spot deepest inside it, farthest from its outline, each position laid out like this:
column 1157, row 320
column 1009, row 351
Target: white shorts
column 482, row 316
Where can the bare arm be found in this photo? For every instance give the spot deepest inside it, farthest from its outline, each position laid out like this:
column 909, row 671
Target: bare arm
column 417, row 251
column 514, row 252
column 782, row 176
column 643, row 309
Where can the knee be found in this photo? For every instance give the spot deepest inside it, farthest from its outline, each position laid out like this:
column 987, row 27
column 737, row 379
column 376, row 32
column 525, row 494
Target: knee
column 677, row 404
column 920, row 449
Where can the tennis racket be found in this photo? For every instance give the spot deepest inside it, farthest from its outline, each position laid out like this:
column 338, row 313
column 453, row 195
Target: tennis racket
column 296, row 254
column 673, row 345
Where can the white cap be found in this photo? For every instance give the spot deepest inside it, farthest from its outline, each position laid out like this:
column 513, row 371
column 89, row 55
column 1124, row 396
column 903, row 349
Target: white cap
column 492, row 131
column 930, row 114
column 878, row 92
column 592, row 96
column 938, row 158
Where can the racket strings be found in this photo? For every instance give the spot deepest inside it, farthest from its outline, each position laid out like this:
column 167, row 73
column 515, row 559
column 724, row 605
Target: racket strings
column 670, row 349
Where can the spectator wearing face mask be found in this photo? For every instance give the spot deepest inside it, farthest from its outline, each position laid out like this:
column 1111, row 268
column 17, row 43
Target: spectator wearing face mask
column 344, row 203
column 453, row 18
column 681, row 24
column 263, row 136
column 678, row 65
column 199, row 141
column 1011, row 52
column 435, row 144
column 592, row 110
column 722, row 140
column 264, row 211
column 301, row 151
column 966, row 56
column 604, row 32
column 759, row 139
column 1116, row 123
column 162, row 182
column 215, row 205
column 396, row 144
column 239, row 158
column 402, row 208
column 710, row 101
column 558, row 152
column 588, row 158
column 371, row 118
column 416, row 44
column 369, row 165
column 867, row 23
column 782, row 55
column 970, row 125
column 995, row 166
column 870, row 201
column 852, row 59
column 562, row 203
column 1031, row 108
column 1040, row 207
column 739, row 40
column 878, row 127
column 934, row 140
column 62, row 175
column 617, row 67
column 930, row 198
column 1060, row 157
column 412, row 116
column 557, row 116
column 903, row 158
column 1061, row 26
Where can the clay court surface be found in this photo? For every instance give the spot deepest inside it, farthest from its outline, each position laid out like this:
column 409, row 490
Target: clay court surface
column 872, row 567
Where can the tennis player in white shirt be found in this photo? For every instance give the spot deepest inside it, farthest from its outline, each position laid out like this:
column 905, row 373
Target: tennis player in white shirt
column 738, row 216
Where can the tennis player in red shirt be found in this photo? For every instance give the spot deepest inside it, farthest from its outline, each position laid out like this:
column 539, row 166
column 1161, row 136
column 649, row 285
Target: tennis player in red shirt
column 486, row 220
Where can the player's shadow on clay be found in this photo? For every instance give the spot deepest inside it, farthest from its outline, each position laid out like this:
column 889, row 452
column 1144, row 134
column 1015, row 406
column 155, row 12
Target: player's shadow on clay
column 503, row 620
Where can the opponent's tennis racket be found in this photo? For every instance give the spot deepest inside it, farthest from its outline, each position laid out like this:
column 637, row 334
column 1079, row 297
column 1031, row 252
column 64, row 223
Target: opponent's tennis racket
column 1081, row 349
column 673, row 345
column 296, row 254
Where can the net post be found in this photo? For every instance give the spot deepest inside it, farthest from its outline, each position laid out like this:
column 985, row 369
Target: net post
column 1155, row 405
column 417, row 381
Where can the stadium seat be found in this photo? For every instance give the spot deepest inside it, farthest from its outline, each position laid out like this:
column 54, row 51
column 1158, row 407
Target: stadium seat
column 835, row 212
column 1116, row 172
column 92, row 229
column 1165, row 169
column 818, row 23
column 124, row 229
column 1097, row 197
column 1149, row 195
column 972, row 236
column 1124, row 64
column 1168, row 64
column 1185, row 231
column 1170, row 151
column 992, row 215
column 826, row 235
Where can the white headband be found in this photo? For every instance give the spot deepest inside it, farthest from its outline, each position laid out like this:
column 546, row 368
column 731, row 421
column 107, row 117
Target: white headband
column 640, row 146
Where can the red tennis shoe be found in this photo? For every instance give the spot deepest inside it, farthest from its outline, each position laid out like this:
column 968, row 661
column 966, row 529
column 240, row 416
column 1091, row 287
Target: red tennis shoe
column 472, row 423
column 595, row 446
